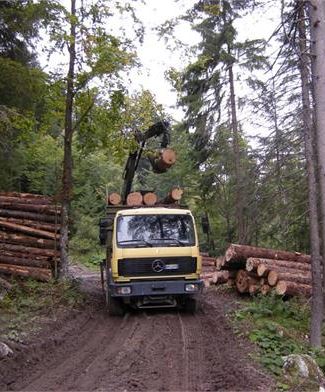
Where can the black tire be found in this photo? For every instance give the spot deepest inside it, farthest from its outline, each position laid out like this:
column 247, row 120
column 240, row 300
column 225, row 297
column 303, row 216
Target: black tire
column 191, row 305
column 114, row 306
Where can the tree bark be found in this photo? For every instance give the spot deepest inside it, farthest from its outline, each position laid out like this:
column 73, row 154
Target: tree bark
column 38, row 208
column 317, row 23
column 237, row 157
column 31, row 196
column 67, row 160
column 24, row 200
column 13, row 260
column 37, row 225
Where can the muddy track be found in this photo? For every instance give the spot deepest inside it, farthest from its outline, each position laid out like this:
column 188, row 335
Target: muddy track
column 144, row 351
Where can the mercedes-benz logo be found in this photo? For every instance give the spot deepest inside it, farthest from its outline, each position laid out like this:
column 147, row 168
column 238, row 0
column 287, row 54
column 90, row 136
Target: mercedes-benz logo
column 158, row 265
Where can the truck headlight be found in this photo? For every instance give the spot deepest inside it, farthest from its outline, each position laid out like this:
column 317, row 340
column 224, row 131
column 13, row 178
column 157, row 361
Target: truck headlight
column 123, row 290
column 191, row 287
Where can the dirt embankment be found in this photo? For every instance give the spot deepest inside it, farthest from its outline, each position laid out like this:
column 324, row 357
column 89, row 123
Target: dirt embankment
column 156, row 350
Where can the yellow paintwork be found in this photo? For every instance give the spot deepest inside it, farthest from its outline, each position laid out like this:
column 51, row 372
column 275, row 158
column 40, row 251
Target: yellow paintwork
column 170, row 251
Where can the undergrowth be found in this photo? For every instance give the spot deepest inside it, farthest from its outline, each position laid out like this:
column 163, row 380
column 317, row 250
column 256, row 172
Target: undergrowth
column 278, row 328
column 31, row 303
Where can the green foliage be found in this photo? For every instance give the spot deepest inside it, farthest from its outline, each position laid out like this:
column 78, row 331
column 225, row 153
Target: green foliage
column 278, row 328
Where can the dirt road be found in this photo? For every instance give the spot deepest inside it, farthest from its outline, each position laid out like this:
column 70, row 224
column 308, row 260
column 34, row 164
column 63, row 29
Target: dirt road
column 144, row 351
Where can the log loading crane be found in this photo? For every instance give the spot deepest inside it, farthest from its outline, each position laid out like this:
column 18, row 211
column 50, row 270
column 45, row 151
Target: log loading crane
column 152, row 257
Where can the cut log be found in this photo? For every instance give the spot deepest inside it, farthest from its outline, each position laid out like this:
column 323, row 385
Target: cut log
column 244, row 280
column 28, row 230
column 26, row 196
column 254, row 289
column 284, row 287
column 220, row 262
column 28, row 272
column 252, row 264
column 29, row 215
column 37, row 225
column 265, row 289
column 222, row 277
column 150, row 199
column 134, row 199
column 19, row 200
column 4, row 259
column 237, row 252
column 37, row 208
column 209, row 261
column 29, row 251
column 10, row 238
column 208, row 268
column 114, row 199
column 163, row 160
column 274, row 276
column 264, row 269
column 173, row 196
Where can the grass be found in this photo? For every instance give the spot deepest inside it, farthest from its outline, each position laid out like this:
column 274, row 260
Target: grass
column 30, row 302
column 278, row 328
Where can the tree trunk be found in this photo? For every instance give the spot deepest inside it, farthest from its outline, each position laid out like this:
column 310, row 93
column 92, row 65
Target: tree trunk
column 38, row 208
column 28, row 215
column 67, row 160
column 24, row 200
column 21, row 261
column 237, row 252
column 37, row 225
column 317, row 23
column 237, row 157
column 31, row 196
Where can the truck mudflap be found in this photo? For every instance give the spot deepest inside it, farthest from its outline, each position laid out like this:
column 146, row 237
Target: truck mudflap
column 156, row 288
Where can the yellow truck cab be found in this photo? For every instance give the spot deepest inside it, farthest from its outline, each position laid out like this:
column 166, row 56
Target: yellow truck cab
column 153, row 258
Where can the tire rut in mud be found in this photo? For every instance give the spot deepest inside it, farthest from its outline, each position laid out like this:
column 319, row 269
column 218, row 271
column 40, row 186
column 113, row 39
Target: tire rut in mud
column 152, row 350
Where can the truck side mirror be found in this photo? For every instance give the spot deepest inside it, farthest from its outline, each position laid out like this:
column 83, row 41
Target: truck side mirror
column 205, row 224
column 103, row 228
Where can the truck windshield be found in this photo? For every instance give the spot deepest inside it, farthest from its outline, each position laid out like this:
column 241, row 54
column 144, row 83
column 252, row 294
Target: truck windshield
column 155, row 230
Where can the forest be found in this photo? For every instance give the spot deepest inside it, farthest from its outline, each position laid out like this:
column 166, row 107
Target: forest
column 67, row 130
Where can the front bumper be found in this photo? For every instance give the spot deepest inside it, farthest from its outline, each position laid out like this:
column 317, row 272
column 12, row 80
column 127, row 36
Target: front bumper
column 152, row 288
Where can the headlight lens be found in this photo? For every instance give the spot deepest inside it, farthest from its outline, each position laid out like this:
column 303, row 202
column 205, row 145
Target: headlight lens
column 123, row 290
column 191, row 287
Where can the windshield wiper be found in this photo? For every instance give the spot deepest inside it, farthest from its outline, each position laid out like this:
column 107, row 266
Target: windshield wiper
column 141, row 241
column 170, row 239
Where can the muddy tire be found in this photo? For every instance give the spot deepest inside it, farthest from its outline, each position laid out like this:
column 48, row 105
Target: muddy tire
column 114, row 306
column 191, row 305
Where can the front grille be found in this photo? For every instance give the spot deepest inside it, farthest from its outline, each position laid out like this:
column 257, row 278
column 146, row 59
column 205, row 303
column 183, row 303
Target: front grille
column 157, row 266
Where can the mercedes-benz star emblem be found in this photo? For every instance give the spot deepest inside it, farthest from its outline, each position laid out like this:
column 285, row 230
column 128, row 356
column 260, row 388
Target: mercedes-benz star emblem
column 158, row 265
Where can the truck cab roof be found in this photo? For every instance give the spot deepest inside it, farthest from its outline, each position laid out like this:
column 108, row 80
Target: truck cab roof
column 154, row 211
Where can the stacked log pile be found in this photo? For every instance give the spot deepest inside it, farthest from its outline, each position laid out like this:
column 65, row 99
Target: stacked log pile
column 29, row 235
column 259, row 270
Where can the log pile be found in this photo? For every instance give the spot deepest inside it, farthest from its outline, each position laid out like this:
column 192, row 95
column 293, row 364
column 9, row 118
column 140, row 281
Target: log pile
column 29, row 235
column 146, row 198
column 210, row 273
column 259, row 270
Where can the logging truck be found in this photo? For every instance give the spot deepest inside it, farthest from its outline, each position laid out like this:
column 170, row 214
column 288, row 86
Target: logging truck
column 153, row 257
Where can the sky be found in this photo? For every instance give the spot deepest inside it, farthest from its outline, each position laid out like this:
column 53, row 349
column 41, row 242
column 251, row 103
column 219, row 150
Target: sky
column 156, row 59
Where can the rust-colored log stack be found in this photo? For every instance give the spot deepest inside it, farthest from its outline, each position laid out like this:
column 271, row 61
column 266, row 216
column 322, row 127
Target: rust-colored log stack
column 29, row 235
column 259, row 270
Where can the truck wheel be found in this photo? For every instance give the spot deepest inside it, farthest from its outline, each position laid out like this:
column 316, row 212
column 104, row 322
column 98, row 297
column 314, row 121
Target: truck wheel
column 115, row 306
column 191, row 305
